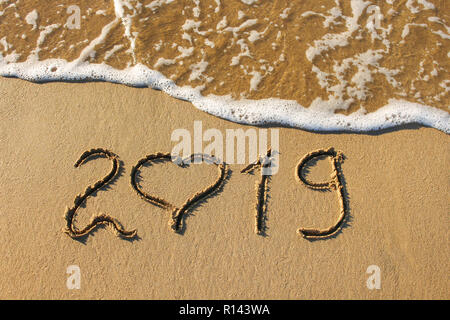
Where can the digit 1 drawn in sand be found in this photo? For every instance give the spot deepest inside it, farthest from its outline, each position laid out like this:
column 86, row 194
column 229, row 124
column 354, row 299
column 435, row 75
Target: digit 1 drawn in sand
column 101, row 219
column 177, row 214
column 336, row 183
column 261, row 191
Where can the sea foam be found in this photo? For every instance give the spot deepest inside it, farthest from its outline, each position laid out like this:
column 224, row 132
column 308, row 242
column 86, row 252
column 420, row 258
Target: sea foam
column 270, row 111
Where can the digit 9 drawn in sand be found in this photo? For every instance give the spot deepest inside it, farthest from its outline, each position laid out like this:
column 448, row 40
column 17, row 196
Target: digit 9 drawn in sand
column 336, row 183
column 101, row 219
column 177, row 214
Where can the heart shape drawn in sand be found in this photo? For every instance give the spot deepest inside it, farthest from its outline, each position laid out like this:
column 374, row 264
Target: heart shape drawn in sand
column 177, row 214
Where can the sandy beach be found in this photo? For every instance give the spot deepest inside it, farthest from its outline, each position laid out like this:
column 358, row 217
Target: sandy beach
column 396, row 180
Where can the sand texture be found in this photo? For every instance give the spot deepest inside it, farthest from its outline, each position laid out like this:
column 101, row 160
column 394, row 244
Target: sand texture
column 396, row 184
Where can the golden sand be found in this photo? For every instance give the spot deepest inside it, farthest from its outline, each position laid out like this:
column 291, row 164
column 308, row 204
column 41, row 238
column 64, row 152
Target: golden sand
column 294, row 241
column 396, row 181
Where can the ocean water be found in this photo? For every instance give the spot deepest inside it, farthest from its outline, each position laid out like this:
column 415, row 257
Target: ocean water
column 351, row 65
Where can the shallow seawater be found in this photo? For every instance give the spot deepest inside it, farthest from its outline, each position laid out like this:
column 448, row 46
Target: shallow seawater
column 313, row 64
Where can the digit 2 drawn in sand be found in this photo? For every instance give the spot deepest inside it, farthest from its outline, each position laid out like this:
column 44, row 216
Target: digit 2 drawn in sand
column 101, row 219
column 336, row 183
column 261, row 191
column 177, row 214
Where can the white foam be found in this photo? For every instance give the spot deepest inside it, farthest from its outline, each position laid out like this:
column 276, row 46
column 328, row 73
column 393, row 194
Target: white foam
column 426, row 5
column 255, row 112
column 5, row 44
column 217, row 9
column 197, row 70
column 255, row 80
column 110, row 53
column 249, row 2
column 31, row 18
column 154, row 5
column 285, row 13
